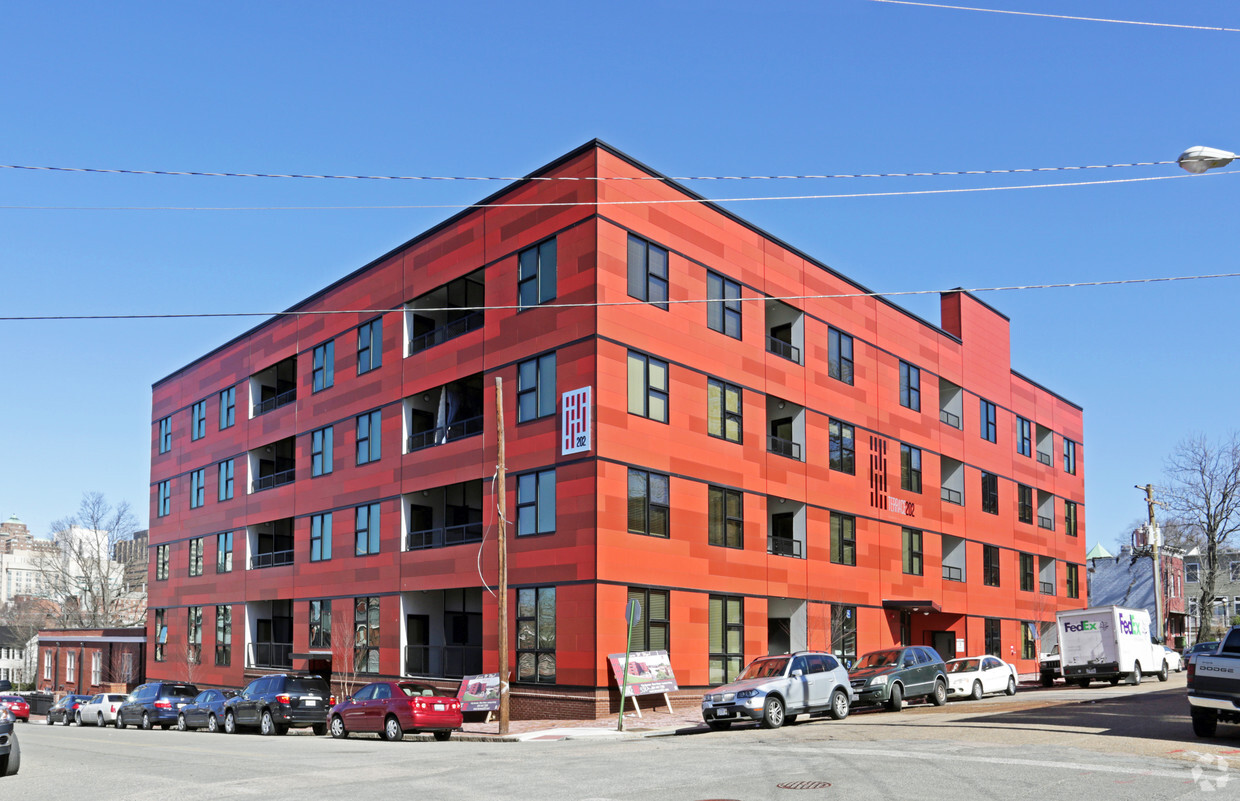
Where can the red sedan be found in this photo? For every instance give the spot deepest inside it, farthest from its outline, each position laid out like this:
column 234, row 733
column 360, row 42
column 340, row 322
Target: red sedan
column 392, row 708
column 17, row 705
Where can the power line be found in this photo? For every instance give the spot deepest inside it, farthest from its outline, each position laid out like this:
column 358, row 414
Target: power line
column 1059, row 16
column 605, row 203
column 754, row 298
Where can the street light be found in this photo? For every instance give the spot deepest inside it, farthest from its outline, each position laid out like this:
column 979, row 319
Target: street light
column 1199, row 159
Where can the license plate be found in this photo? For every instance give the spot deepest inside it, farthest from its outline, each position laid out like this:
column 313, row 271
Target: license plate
column 179, row 706
column 310, row 702
column 439, row 707
column 1091, row 670
column 723, row 713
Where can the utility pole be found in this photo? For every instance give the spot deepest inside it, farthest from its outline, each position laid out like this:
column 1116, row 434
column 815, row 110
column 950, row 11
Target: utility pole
column 1154, row 540
column 503, row 559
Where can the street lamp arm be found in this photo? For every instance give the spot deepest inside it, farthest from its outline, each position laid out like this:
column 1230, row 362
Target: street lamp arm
column 1198, row 159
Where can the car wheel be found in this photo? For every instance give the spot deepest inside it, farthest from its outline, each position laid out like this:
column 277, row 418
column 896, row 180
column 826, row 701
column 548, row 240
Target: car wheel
column 10, row 762
column 1048, row 680
column 181, row 723
column 146, row 720
column 940, row 693
column 267, row 724
column 1136, row 673
column 442, row 736
column 790, row 720
column 839, row 705
column 99, row 720
column 1114, row 680
column 213, row 725
column 773, row 713
column 337, row 728
column 77, row 718
column 119, row 722
column 1205, row 722
column 977, row 691
column 392, row 730
column 1084, row 683
column 230, row 723
column 50, row 722
column 319, row 729
column 1164, row 673
column 1011, row 688
column 719, row 725
column 895, row 701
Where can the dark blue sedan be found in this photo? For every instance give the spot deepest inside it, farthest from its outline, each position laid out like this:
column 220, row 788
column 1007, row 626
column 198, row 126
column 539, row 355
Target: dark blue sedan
column 206, row 711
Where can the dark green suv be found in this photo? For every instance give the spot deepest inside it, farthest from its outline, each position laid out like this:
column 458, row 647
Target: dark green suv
column 895, row 674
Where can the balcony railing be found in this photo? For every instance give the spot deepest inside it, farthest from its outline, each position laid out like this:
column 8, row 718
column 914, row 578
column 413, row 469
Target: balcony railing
column 470, row 322
column 785, row 349
column 953, row 496
column 283, row 399
column 271, row 559
column 952, row 420
column 271, row 654
column 1048, row 588
column 1046, row 522
column 1044, row 458
column 783, row 546
column 784, row 447
column 274, row 480
column 442, row 434
column 443, row 537
column 443, row 661
column 953, row 573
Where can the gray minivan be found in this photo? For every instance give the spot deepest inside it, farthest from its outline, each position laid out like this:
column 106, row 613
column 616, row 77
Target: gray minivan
column 773, row 690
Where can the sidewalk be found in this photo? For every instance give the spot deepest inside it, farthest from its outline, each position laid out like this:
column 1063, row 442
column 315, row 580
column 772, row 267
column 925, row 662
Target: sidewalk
column 650, row 724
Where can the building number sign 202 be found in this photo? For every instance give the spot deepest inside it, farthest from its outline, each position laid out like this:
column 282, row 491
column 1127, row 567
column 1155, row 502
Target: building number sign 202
column 575, row 421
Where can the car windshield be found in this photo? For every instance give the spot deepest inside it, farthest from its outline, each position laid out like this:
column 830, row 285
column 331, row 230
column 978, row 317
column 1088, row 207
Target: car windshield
column 878, row 659
column 180, row 691
column 305, row 685
column 962, row 666
column 417, row 689
column 765, row 668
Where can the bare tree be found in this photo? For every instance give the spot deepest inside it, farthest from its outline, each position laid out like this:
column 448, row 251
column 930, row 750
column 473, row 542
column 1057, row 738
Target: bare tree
column 344, row 667
column 81, row 573
column 1203, row 497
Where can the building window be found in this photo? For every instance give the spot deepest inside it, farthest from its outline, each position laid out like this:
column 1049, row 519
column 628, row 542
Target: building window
column 536, row 635
column 226, row 480
column 844, row 633
column 1074, row 587
column 1069, row 456
column 198, row 420
column 994, row 640
column 990, row 493
column 223, row 552
column 536, row 388
column 1069, row 524
column 47, row 665
column 369, row 345
column 165, row 434
column 910, row 387
column 726, row 638
column 161, row 634
column 321, row 624
column 323, row 372
column 536, row 275
column 726, row 517
column 647, row 272
column 366, row 634
column 164, row 504
column 161, row 562
column 843, row 539
column 651, row 632
column 649, row 506
column 193, row 640
column 987, row 415
column 536, row 503
column 723, row 312
column 195, row 556
column 366, row 534
column 228, row 408
column 96, row 668
column 223, row 636
column 840, row 355
column 843, row 449
column 1233, row 571
column 368, row 439
column 71, row 670
column 1192, row 572
column 1028, row 642
column 910, row 468
column 990, row 565
column 321, row 451
column 723, row 410
column 1027, row 581
column 321, row 537
column 912, row 552
column 1024, row 503
column 648, row 388
column 1024, row 437
column 197, row 487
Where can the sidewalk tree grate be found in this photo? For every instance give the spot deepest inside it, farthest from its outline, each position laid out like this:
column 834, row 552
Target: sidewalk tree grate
column 803, row 785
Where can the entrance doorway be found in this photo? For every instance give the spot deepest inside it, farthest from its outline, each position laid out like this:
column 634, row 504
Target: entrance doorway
column 945, row 643
column 778, row 635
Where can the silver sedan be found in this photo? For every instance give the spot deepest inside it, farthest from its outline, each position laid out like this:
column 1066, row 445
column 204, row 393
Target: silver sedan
column 100, row 710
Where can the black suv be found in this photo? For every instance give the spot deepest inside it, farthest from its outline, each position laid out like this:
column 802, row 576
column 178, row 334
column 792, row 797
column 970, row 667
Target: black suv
column 278, row 702
column 155, row 704
column 894, row 674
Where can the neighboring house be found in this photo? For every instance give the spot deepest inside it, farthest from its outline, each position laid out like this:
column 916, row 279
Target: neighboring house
column 1226, row 606
column 13, row 655
column 1128, row 580
column 90, row 661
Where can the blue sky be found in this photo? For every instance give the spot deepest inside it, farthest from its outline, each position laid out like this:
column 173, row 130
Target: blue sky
column 719, row 88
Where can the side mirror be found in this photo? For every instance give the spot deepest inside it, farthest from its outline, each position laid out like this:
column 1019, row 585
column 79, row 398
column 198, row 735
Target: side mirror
column 796, row 673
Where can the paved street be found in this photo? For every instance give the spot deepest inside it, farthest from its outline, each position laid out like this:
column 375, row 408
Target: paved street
column 1104, row 743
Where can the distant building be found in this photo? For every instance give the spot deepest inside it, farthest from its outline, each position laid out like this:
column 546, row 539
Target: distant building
column 133, row 554
column 14, row 653
column 21, row 555
column 1226, row 606
column 90, row 661
column 1128, row 580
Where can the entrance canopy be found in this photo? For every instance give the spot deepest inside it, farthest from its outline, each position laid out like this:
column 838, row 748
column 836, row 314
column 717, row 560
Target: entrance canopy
column 912, row 606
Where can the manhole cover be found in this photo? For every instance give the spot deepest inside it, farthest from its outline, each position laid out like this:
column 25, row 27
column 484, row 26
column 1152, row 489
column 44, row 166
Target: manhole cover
column 805, row 785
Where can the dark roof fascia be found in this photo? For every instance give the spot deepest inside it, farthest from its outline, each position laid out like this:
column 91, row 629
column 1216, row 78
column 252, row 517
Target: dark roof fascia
column 1050, row 392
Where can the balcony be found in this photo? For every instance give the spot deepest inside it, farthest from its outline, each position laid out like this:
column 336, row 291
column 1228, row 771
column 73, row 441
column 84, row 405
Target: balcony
column 951, row 419
column 444, row 414
column 273, row 465
column 443, row 537
column 442, row 435
column 446, row 312
column 783, row 546
column 784, row 447
column 783, row 349
column 271, row 655
column 951, row 404
column 271, row 559
column 952, row 573
column 443, row 661
column 270, row 544
column 785, row 326
column 1046, row 522
column 952, row 496
column 1044, row 458
column 437, row 336
column 273, row 480
column 273, row 387
column 1046, row 587
column 275, row 402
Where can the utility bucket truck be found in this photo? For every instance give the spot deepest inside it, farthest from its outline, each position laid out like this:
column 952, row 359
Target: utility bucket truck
column 1108, row 643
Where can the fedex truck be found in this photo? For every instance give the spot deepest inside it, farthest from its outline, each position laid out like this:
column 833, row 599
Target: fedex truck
column 1108, row 643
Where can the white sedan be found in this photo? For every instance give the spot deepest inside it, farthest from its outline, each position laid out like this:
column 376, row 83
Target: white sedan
column 1175, row 662
column 100, row 709
column 974, row 676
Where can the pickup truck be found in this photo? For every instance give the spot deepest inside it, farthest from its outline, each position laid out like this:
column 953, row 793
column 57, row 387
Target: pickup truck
column 1214, row 685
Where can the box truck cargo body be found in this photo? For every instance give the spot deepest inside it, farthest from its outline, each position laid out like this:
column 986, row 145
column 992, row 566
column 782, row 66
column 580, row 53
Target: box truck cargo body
column 1108, row 643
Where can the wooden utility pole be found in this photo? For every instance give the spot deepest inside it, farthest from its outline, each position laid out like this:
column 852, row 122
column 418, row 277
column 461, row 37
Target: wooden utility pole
column 1153, row 541
column 503, row 559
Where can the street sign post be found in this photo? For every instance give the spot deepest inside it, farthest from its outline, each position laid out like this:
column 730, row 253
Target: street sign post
column 632, row 614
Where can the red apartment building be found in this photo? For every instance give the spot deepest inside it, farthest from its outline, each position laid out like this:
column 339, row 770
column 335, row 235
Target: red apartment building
column 765, row 466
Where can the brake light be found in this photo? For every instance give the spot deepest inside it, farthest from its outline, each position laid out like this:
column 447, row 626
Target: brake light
column 283, row 698
column 331, row 701
column 163, row 705
column 1192, row 671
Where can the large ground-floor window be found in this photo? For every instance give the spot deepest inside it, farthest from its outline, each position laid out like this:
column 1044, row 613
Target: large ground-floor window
column 536, row 634
column 727, row 638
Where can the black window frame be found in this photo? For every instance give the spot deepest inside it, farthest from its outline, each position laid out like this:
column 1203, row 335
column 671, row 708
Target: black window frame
column 1024, row 503
column 321, row 536
column 993, row 633
column 722, row 423
column 533, row 647
column 988, row 413
column 536, row 274
column 648, row 506
column 226, row 473
column 163, row 502
column 644, row 282
column 723, row 528
column 649, row 391
column 323, row 366
column 990, row 493
column 651, row 619
column 197, row 488
column 319, row 621
column 322, row 451
column 910, row 386
column 223, row 636
column 723, row 307
column 198, row 420
column 843, row 446
column 1028, row 573
column 196, row 548
column 530, row 500
column 991, row 565
column 228, row 408
column 843, row 539
column 536, row 385
column 730, row 660
column 165, row 434
column 840, row 364
column 1069, row 456
column 366, row 523
column 1070, row 518
column 161, row 634
column 913, row 561
column 910, row 468
column 1024, row 436
column 1073, row 577
column 224, row 552
column 369, row 442
column 367, row 626
column 370, row 345
column 162, row 558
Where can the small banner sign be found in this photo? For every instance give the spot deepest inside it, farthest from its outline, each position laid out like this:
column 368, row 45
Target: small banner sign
column 650, row 672
column 575, row 421
column 479, row 693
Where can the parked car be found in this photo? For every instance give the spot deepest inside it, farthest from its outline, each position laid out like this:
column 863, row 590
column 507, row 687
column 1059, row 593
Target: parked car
column 1190, row 654
column 393, row 708
column 100, row 710
column 155, row 704
column 1214, row 686
column 1175, row 662
column 17, row 706
column 774, row 690
column 273, row 704
column 10, row 752
column 206, row 711
column 65, row 710
column 977, row 675
column 893, row 675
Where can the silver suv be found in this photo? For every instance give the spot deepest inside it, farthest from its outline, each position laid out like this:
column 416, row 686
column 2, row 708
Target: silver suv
column 775, row 689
